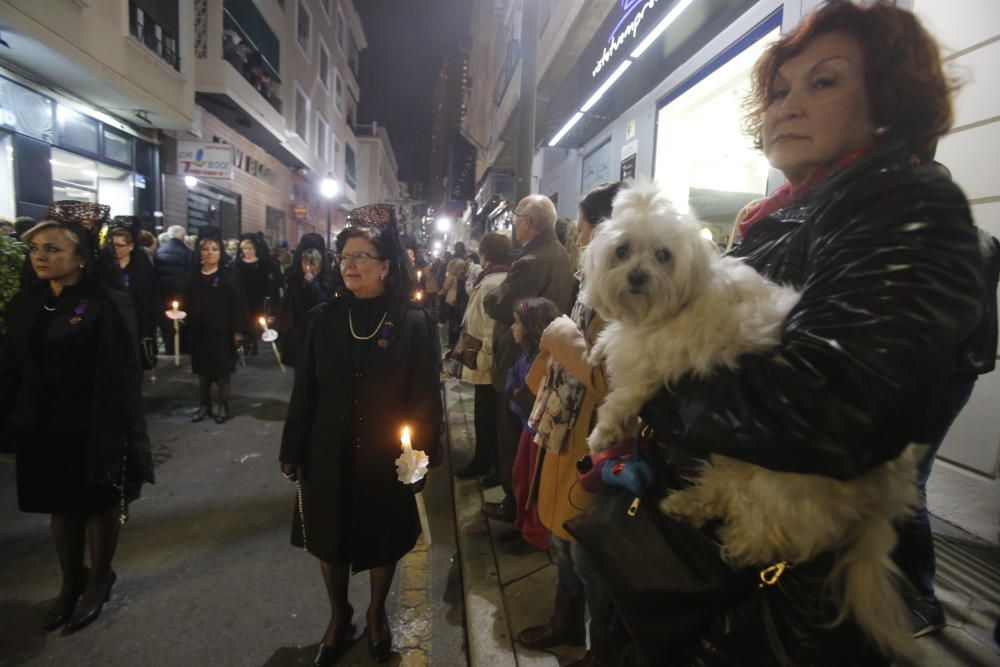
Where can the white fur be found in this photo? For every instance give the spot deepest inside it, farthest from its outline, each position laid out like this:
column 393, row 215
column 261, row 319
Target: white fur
column 698, row 312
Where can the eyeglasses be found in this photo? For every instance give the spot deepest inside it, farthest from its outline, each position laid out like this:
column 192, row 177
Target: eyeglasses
column 355, row 257
column 121, row 245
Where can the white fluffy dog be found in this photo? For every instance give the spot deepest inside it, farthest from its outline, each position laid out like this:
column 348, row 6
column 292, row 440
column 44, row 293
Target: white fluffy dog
column 672, row 303
column 675, row 306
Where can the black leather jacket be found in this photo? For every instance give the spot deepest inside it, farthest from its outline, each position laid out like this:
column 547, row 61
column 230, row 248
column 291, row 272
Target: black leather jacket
column 892, row 280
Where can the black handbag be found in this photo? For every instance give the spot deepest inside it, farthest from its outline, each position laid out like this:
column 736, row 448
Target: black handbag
column 666, row 578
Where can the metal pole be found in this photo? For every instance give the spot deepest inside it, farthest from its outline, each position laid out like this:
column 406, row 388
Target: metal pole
column 526, row 102
column 329, row 222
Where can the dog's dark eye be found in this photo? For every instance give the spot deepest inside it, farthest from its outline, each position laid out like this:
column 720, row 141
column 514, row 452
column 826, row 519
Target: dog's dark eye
column 621, row 252
column 663, row 255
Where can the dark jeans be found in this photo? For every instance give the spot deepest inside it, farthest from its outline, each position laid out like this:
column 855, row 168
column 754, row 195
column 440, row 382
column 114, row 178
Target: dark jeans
column 578, row 577
column 915, row 551
column 485, row 417
column 508, row 436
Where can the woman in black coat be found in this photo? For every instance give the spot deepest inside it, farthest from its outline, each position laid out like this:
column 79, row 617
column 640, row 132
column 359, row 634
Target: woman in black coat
column 308, row 283
column 887, row 261
column 369, row 366
column 70, row 394
column 260, row 277
column 139, row 281
column 217, row 321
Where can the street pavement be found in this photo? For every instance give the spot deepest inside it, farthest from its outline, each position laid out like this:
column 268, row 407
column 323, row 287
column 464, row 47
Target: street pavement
column 206, row 574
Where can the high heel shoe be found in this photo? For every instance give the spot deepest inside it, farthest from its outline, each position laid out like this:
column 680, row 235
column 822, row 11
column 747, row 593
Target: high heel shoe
column 330, row 653
column 222, row 414
column 64, row 606
column 380, row 651
column 203, row 411
column 84, row 617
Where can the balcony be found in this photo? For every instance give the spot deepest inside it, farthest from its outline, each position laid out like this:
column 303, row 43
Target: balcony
column 241, row 50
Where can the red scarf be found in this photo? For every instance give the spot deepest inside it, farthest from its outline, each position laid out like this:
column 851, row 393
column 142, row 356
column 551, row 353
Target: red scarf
column 786, row 194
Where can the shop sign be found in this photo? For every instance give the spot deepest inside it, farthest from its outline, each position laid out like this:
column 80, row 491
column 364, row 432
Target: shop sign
column 629, row 152
column 300, row 211
column 205, row 160
column 635, row 13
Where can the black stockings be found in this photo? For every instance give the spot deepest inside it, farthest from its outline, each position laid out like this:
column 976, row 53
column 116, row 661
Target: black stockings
column 70, row 532
column 336, row 575
column 205, row 391
column 223, row 382
column 381, row 581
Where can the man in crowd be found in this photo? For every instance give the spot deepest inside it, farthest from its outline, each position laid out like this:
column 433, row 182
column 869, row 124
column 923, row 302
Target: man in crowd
column 173, row 266
column 541, row 269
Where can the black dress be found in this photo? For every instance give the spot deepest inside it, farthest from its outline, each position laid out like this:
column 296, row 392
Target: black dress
column 70, row 394
column 260, row 281
column 216, row 312
column 349, row 404
column 299, row 299
column 140, row 283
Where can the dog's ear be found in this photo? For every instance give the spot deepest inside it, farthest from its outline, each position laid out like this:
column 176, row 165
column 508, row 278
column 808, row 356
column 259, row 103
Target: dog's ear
column 592, row 263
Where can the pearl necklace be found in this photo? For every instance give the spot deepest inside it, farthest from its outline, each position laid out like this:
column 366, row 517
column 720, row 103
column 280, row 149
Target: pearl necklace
column 350, row 324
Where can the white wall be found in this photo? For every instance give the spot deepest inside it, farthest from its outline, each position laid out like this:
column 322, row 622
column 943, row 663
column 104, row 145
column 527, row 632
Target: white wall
column 964, row 488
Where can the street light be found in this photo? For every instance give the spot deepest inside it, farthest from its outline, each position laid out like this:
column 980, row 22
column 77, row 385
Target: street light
column 190, row 181
column 443, row 224
column 329, row 188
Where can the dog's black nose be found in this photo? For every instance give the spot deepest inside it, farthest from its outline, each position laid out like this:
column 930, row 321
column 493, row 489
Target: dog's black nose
column 637, row 278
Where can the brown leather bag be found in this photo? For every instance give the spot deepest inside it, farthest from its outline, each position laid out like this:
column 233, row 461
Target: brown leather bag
column 467, row 350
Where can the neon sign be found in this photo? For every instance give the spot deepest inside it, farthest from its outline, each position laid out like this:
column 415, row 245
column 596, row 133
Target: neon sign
column 634, row 13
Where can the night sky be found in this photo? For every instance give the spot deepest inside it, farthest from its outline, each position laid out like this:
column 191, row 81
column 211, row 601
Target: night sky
column 406, row 41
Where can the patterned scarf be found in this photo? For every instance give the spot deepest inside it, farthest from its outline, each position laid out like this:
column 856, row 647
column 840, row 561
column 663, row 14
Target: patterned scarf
column 558, row 402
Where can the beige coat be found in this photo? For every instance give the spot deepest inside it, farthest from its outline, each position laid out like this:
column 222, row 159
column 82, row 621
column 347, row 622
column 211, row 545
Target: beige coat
column 557, row 494
column 480, row 325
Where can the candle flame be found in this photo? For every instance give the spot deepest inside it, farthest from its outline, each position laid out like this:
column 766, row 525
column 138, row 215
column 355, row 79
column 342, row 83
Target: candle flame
column 263, row 322
column 176, row 303
column 406, row 435
column 419, row 295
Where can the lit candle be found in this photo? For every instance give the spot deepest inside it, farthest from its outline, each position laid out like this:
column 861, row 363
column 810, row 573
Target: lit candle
column 419, row 274
column 263, row 323
column 177, row 336
column 419, row 296
column 407, row 445
column 425, row 526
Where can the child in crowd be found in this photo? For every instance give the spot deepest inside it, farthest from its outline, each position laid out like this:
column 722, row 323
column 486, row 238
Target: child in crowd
column 531, row 316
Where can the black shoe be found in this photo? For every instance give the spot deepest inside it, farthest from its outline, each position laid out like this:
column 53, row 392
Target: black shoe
column 501, row 511
column 84, row 617
column 203, row 411
column 471, row 471
column 509, row 535
column 926, row 615
column 330, row 653
column 381, row 651
column 489, row 482
column 64, row 606
column 223, row 413
column 520, row 547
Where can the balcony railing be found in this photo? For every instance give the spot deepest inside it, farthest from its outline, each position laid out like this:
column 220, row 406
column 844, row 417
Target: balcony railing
column 153, row 36
column 240, row 51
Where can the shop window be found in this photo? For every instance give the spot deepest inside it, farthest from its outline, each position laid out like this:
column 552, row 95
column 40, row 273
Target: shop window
column 336, row 154
column 8, row 207
column 83, row 179
column 704, row 161
column 25, row 111
column 349, row 169
column 117, row 147
column 304, row 28
column 301, row 114
column 76, row 131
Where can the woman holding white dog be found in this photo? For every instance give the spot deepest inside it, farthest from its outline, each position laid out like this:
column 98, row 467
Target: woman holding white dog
column 563, row 414
column 884, row 256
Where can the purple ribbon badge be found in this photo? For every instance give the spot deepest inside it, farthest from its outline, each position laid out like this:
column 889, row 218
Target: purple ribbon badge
column 78, row 312
column 383, row 335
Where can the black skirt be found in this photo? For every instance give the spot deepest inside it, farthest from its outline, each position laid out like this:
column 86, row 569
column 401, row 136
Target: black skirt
column 52, row 476
column 213, row 354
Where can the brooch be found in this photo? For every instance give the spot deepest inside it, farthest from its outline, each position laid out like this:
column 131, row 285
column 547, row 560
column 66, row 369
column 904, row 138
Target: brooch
column 215, row 280
column 78, row 312
column 383, row 335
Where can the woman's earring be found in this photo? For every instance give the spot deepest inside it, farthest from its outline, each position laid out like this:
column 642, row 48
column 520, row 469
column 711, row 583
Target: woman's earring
column 881, row 130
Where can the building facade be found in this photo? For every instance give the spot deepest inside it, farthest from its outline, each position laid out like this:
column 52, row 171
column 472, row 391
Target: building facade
column 85, row 92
